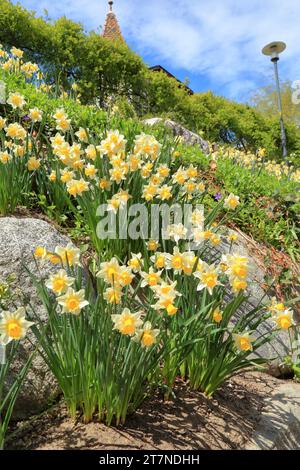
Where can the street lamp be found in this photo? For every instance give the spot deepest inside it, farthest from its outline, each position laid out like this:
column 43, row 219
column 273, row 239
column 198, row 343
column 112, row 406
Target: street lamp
column 273, row 50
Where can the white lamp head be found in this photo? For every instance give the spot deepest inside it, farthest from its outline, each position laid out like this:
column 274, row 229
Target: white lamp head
column 274, row 49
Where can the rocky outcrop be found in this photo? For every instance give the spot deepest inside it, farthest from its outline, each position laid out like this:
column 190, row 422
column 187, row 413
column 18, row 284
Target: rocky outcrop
column 18, row 240
column 188, row 137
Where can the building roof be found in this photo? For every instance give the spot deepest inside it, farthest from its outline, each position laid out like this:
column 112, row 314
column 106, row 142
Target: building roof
column 111, row 28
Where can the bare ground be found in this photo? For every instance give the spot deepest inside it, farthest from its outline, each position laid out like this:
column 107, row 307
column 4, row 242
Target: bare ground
column 189, row 421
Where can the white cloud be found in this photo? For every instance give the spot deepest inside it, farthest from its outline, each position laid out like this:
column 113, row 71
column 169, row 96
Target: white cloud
column 220, row 39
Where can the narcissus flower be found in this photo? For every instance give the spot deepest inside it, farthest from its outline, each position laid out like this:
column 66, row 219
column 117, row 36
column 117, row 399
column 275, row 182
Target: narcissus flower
column 59, row 282
column 113, row 295
column 135, row 262
column 5, row 157
column 127, row 323
column 238, row 285
column 35, row 115
column 90, row 171
column 72, row 302
column 57, row 140
column 60, row 114
column 13, row 326
column 159, row 260
column 152, row 245
column 91, row 152
column 52, row 176
column 180, row 176
column 151, row 278
column 243, row 341
column 175, row 261
column 126, row 276
column 33, row 164
column 147, row 335
column 15, row 131
column 69, row 255
column 63, row 125
column 176, row 232
column 167, row 303
column 163, row 171
column 192, row 172
column 104, row 184
column 66, row 175
column 82, row 134
column 189, row 263
column 114, row 144
column 16, row 100
column 284, row 320
column 77, row 187
column 110, row 271
column 17, row 52
column 40, row 252
column 164, row 193
column 149, row 191
column 166, row 290
column 233, row 237
column 276, row 307
column 2, row 123
column 217, row 315
column 231, row 202
column 208, row 277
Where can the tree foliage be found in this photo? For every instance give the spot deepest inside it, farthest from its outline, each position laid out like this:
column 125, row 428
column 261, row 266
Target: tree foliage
column 105, row 68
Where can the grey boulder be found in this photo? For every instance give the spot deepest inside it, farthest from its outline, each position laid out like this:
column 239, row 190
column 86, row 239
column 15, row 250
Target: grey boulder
column 18, row 239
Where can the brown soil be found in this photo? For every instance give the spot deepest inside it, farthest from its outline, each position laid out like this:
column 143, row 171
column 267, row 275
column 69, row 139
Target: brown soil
column 189, row 421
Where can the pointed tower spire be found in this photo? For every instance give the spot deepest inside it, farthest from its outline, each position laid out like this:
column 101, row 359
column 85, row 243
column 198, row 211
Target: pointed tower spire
column 111, row 28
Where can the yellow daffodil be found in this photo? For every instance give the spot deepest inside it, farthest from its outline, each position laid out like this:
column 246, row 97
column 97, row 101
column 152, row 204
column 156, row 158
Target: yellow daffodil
column 113, row 295
column 231, row 202
column 152, row 245
column 135, row 262
column 5, row 157
column 284, row 320
column 16, row 100
column 147, row 335
column 151, row 278
column 82, row 135
column 208, row 277
column 127, row 323
column 33, row 164
column 110, row 271
column 159, row 260
column 40, row 252
column 69, row 255
column 217, row 315
column 35, row 115
column 243, row 341
column 72, row 302
column 13, row 326
column 59, row 282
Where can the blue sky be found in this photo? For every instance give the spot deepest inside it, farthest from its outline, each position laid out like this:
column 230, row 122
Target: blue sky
column 215, row 43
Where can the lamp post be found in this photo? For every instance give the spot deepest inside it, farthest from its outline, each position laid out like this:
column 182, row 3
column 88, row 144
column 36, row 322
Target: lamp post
column 273, row 50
